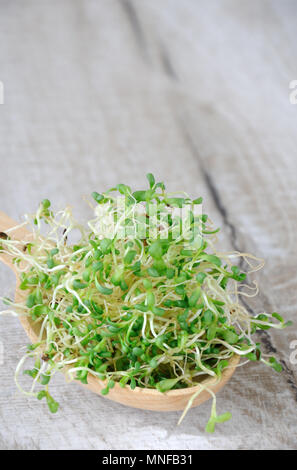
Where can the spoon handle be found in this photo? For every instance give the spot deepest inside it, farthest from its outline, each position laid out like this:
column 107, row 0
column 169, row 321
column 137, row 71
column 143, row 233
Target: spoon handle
column 20, row 233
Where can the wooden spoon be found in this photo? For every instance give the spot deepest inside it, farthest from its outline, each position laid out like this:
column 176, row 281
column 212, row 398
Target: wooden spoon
column 144, row 398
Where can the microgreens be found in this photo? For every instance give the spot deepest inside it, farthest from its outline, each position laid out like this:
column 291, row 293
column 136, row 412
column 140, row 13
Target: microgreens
column 136, row 300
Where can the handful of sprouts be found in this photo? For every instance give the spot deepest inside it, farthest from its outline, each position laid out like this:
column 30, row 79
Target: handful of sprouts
column 142, row 298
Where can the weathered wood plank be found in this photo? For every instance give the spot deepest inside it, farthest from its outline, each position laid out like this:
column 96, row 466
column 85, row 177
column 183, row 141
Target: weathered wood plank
column 198, row 93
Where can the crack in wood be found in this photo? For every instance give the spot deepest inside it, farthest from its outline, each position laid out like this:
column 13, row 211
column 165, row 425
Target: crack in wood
column 290, row 378
column 167, row 64
column 136, row 27
column 212, row 189
column 221, row 208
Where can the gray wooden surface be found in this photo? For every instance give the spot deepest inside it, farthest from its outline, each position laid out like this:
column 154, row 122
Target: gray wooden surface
column 102, row 91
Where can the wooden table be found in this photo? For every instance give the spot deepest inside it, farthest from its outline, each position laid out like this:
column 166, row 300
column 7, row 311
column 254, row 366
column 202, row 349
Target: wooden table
column 101, row 92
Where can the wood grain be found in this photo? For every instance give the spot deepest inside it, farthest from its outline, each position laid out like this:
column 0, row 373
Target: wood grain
column 196, row 92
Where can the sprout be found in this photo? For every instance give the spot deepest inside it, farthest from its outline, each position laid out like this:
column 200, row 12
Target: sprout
column 143, row 298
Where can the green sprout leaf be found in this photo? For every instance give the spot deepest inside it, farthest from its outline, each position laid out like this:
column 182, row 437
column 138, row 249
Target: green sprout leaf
column 102, row 289
column 166, row 384
column 151, row 180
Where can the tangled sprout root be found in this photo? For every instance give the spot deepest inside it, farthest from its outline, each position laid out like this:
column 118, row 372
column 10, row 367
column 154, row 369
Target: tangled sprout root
column 142, row 298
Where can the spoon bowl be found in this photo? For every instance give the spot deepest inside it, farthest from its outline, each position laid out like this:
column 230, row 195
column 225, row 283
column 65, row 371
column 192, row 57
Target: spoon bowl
column 143, row 398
